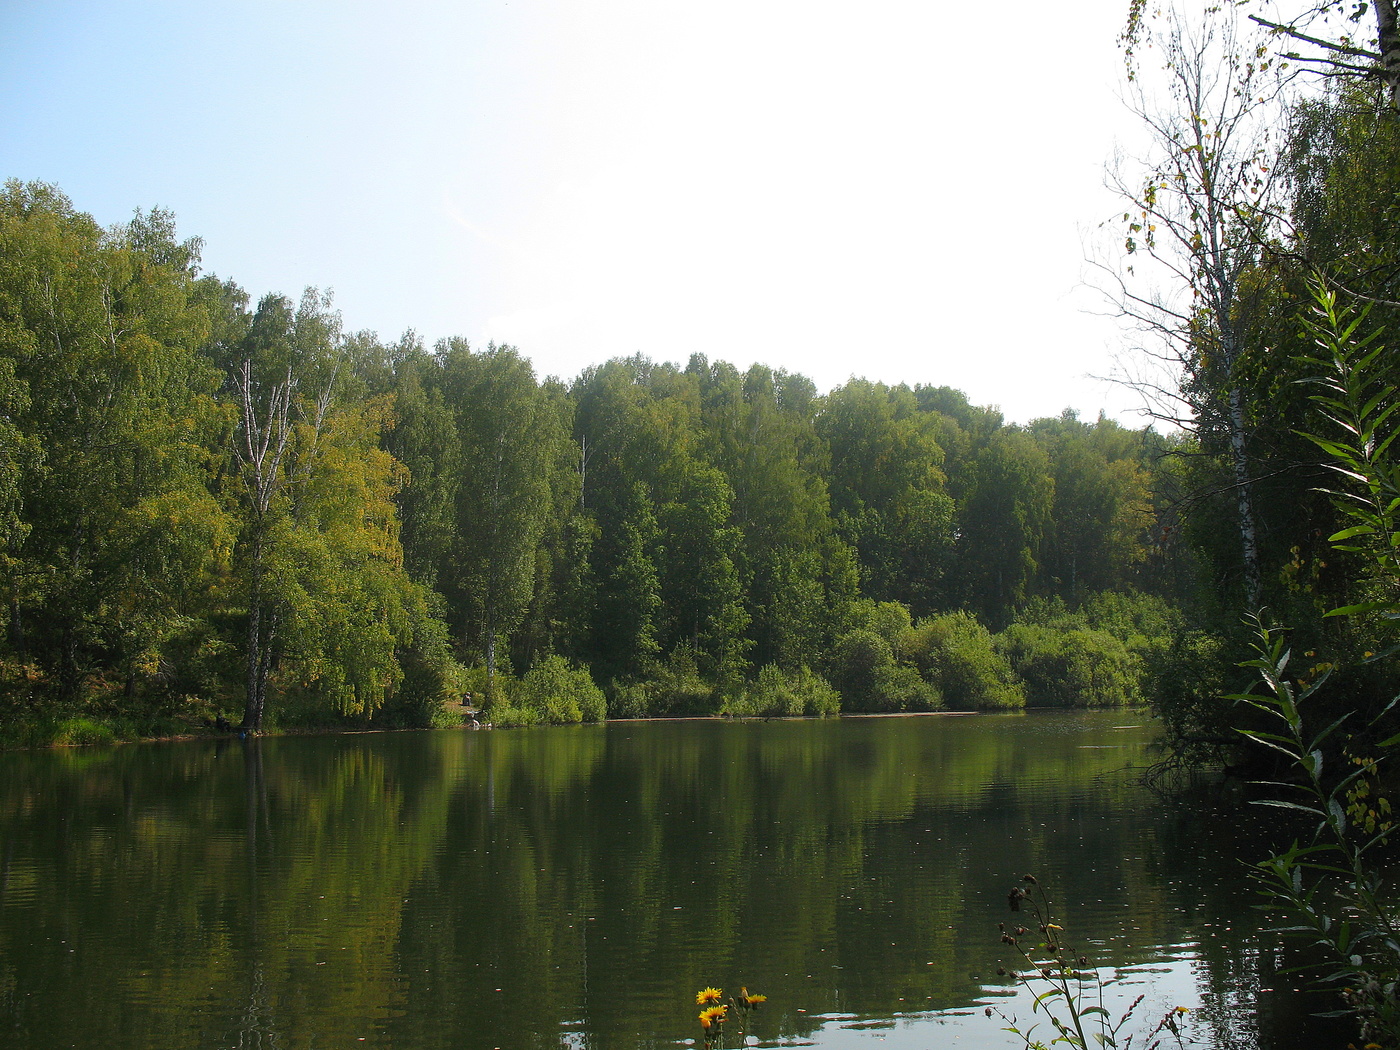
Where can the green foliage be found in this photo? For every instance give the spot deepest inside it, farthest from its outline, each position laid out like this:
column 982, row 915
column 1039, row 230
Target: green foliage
column 318, row 566
column 1072, row 668
column 107, row 408
column 1358, row 400
column 1001, row 524
column 700, row 577
column 1333, row 882
column 796, row 620
column 668, row 688
column 963, row 663
column 1115, row 649
column 487, row 690
column 204, row 505
column 888, row 490
column 865, row 673
column 890, row 620
column 780, row 693
column 432, row 679
column 82, row 732
column 508, row 432
column 1343, row 155
column 624, row 630
column 424, row 439
column 560, row 693
column 1101, row 513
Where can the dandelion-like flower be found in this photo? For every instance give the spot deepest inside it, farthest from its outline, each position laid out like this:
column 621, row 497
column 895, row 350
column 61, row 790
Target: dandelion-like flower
column 708, row 996
column 712, row 1016
column 749, row 1002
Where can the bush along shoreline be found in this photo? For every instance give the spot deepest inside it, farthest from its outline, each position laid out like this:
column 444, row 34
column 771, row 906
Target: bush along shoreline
column 887, row 663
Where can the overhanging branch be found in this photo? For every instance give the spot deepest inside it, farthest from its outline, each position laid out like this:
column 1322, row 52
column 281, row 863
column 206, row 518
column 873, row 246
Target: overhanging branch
column 1341, row 49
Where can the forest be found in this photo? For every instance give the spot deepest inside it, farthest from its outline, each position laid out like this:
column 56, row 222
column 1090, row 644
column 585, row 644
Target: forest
column 216, row 512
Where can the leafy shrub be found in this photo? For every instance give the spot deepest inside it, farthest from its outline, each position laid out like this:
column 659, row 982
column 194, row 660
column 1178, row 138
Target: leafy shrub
column 964, row 665
column 666, row 688
column 862, row 660
column 432, row 679
column 778, row 692
column 1072, row 668
column 904, row 689
column 489, row 692
column 629, row 699
column 864, row 671
column 504, row 713
column 560, row 693
column 889, row 620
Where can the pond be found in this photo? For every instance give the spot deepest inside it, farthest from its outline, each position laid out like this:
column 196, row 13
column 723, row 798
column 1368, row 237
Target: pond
column 575, row 887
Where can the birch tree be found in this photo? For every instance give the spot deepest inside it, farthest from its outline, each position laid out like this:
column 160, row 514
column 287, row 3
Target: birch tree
column 319, row 559
column 508, row 440
column 259, row 446
column 1199, row 215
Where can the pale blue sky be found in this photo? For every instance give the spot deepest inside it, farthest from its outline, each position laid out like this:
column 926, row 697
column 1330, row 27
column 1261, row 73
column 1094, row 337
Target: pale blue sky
column 894, row 189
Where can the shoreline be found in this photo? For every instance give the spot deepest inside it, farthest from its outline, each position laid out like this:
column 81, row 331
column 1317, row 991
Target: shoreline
column 233, row 734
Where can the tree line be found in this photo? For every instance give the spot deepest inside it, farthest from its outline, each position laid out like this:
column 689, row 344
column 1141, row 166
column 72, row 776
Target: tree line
column 212, row 509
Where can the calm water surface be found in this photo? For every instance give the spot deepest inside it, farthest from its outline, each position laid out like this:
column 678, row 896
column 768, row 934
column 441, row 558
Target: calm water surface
column 574, row 887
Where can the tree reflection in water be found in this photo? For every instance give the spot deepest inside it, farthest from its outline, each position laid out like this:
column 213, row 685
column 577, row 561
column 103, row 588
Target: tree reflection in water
column 576, row 885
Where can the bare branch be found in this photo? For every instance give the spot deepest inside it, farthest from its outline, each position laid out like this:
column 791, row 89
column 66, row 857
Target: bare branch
column 261, row 449
column 1338, row 68
column 1343, row 49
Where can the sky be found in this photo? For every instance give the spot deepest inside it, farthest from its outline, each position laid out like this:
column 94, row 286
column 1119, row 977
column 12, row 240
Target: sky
column 894, row 189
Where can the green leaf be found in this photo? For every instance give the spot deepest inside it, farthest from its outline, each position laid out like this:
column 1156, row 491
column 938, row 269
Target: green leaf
column 1355, row 530
column 1292, row 755
column 1353, row 610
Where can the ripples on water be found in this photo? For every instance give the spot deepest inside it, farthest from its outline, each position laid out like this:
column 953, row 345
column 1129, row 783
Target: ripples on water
column 574, row 887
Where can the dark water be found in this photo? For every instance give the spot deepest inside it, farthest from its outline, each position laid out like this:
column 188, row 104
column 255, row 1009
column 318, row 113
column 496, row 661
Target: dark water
column 575, row 887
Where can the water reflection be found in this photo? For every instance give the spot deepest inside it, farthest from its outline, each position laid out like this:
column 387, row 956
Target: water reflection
column 576, row 886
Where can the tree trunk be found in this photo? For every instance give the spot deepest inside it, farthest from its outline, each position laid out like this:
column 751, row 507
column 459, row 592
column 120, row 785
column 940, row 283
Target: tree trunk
column 252, row 709
column 1389, row 37
column 262, row 652
column 252, row 703
column 1249, row 536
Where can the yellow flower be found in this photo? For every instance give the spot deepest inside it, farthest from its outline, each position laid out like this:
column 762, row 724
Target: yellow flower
column 708, row 995
column 712, row 1015
column 747, row 1001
